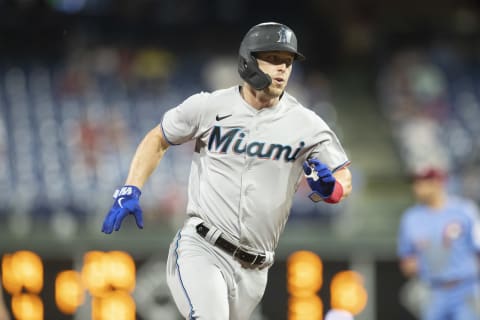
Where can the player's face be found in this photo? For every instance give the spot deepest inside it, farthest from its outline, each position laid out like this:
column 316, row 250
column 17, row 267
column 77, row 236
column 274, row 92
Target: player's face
column 427, row 189
column 278, row 65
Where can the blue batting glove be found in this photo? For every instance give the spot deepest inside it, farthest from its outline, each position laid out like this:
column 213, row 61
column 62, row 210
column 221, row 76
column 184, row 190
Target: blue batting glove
column 319, row 178
column 126, row 202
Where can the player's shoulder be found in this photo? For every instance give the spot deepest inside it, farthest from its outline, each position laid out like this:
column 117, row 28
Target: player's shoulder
column 293, row 104
column 463, row 205
column 220, row 94
column 198, row 97
column 413, row 212
column 204, row 98
column 304, row 113
column 461, row 201
column 230, row 91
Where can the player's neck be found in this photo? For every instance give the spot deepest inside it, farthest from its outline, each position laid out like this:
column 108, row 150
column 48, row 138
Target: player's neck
column 437, row 201
column 257, row 99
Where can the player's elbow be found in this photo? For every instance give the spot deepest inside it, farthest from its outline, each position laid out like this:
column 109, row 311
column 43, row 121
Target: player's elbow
column 347, row 188
column 157, row 139
column 344, row 177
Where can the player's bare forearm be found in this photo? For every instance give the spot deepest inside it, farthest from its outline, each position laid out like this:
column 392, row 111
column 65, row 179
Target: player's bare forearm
column 408, row 266
column 344, row 177
column 147, row 157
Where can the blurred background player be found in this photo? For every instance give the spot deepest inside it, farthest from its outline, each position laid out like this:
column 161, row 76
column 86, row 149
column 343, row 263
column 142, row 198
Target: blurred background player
column 439, row 241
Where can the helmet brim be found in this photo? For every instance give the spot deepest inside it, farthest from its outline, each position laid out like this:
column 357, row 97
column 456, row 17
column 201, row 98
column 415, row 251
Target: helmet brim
column 298, row 55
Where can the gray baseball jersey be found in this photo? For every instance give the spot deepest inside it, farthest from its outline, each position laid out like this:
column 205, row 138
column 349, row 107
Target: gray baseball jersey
column 248, row 162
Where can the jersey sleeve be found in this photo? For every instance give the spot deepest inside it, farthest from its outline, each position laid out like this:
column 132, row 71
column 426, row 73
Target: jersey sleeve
column 405, row 247
column 474, row 216
column 182, row 123
column 328, row 148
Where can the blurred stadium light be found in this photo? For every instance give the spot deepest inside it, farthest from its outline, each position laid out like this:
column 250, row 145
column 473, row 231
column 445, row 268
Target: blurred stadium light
column 348, row 292
column 69, row 291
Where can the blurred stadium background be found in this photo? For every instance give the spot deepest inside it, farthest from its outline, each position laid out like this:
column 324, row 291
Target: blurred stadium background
column 81, row 81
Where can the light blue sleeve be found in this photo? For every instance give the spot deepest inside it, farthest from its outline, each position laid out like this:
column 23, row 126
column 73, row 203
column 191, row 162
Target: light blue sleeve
column 473, row 214
column 405, row 247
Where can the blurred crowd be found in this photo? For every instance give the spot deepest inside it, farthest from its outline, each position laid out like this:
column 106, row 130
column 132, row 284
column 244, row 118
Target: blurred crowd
column 68, row 129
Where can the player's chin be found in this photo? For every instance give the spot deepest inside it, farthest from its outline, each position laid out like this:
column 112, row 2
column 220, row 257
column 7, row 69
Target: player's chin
column 274, row 91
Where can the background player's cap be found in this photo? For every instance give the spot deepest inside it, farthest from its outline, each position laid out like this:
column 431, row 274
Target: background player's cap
column 335, row 314
column 429, row 173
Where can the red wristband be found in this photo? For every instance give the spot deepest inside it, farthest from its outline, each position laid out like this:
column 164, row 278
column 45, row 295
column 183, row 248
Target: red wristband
column 337, row 193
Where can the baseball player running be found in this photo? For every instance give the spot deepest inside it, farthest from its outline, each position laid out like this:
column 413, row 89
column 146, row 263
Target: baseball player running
column 439, row 241
column 254, row 142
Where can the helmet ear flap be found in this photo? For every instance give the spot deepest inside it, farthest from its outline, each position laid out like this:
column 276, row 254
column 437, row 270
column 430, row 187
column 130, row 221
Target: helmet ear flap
column 251, row 73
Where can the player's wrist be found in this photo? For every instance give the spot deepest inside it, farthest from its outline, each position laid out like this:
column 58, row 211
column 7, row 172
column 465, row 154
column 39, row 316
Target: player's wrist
column 333, row 197
column 337, row 193
column 128, row 191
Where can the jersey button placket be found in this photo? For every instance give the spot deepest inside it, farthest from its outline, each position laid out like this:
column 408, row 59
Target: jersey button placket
column 244, row 186
column 247, row 174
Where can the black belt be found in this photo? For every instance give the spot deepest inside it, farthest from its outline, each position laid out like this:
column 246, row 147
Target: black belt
column 235, row 251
